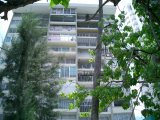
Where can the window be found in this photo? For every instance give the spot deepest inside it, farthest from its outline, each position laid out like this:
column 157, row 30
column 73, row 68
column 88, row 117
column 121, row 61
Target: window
column 86, row 106
column 8, row 39
column 64, row 71
column 59, row 11
column 67, row 61
column 70, row 61
column 72, row 71
column 62, row 49
column 67, row 11
column 16, row 22
column 17, row 14
column 12, row 30
column 64, row 103
column 85, row 78
column 118, row 103
column 65, row 49
column 73, row 11
column 68, row 71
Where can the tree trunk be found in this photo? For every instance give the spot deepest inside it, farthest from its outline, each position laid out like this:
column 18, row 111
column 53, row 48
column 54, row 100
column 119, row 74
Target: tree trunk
column 97, row 69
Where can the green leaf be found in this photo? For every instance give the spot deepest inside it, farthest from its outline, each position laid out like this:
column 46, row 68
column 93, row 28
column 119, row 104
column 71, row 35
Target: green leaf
column 52, row 4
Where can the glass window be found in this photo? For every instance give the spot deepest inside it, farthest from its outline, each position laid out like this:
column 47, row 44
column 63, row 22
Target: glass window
column 59, row 11
column 16, row 22
column 12, row 30
column 65, row 49
column 67, row 11
column 72, row 71
column 73, row 11
column 17, row 14
column 8, row 39
column 118, row 103
column 64, row 103
column 66, row 71
column 54, row 11
column 62, row 71
column 70, row 18
column 86, row 106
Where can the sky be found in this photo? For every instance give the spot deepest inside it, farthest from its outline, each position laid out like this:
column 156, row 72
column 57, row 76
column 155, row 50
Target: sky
column 5, row 24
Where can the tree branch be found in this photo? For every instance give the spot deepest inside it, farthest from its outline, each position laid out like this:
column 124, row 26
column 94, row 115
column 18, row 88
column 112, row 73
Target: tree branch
column 9, row 6
column 4, row 49
column 97, row 11
column 146, row 51
column 136, row 101
column 150, row 11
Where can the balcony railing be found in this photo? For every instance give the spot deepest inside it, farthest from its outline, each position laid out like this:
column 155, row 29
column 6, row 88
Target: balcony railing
column 58, row 49
column 87, row 25
column 87, row 34
column 86, row 106
column 62, row 28
column 59, row 38
column 60, row 18
column 86, row 41
column 86, row 16
column 86, row 66
column 85, row 78
column 64, row 103
column 67, row 61
column 63, row 11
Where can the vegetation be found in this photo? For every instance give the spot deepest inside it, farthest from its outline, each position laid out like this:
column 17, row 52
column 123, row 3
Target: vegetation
column 30, row 72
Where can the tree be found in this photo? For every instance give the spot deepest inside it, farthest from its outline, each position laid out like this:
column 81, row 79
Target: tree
column 8, row 5
column 97, row 68
column 30, row 72
column 137, row 56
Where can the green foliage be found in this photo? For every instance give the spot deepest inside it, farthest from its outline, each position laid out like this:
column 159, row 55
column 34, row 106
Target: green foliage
column 137, row 54
column 32, row 86
column 65, row 3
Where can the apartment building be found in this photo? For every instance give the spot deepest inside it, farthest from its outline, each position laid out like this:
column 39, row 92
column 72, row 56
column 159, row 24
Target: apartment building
column 131, row 19
column 69, row 38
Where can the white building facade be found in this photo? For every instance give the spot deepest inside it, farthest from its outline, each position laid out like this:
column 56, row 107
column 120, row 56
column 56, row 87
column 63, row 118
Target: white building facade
column 131, row 19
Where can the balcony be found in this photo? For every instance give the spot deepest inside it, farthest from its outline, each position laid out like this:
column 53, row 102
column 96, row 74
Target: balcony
column 64, row 103
column 63, row 20
column 84, row 17
column 86, row 106
column 86, row 42
column 86, row 66
column 61, row 11
column 84, row 55
column 59, row 40
column 60, row 51
column 87, row 26
column 67, row 61
column 85, row 78
column 63, row 29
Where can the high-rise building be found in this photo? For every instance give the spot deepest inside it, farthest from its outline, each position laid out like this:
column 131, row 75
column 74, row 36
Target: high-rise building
column 131, row 19
column 69, row 38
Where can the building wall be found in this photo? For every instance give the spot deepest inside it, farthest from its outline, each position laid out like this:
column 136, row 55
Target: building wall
column 131, row 19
